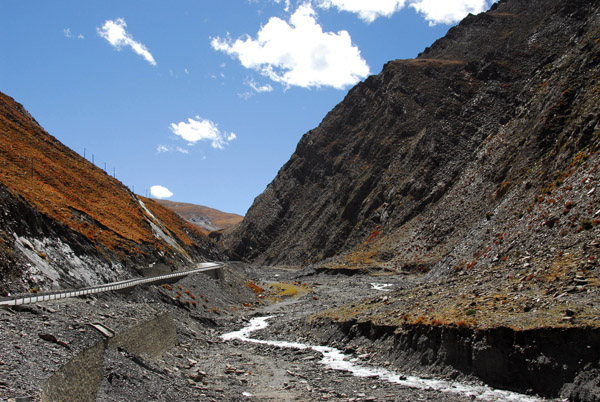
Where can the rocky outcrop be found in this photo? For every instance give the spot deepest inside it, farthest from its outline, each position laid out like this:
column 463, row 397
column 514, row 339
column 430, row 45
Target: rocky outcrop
column 423, row 166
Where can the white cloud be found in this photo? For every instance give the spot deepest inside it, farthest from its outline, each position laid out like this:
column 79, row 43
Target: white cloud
column 160, row 192
column 299, row 53
column 199, row 129
column 114, row 32
column 367, row 11
column 80, row 36
column 162, row 148
column 434, row 11
column 448, row 11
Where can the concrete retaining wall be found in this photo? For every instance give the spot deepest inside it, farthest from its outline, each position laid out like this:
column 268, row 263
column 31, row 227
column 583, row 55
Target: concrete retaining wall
column 80, row 379
column 149, row 339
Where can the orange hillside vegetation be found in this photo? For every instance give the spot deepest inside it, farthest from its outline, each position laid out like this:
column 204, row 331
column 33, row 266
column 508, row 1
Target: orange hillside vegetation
column 70, row 189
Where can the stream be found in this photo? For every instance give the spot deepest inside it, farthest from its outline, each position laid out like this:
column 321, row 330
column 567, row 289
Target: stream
column 336, row 360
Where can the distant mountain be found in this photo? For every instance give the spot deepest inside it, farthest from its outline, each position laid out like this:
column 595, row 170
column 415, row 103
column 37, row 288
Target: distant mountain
column 206, row 218
column 66, row 222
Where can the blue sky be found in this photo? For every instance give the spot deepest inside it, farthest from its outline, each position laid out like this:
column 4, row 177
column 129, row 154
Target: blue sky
column 202, row 100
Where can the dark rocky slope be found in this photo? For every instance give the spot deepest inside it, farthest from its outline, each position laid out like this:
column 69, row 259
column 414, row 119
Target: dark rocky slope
column 67, row 223
column 428, row 151
column 475, row 168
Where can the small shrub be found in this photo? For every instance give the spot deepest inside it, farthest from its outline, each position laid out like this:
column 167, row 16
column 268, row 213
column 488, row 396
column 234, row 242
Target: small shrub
column 471, row 312
column 255, row 288
column 420, row 320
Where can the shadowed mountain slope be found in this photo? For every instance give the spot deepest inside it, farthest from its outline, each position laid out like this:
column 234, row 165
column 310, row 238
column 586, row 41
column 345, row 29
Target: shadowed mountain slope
column 473, row 170
column 456, row 143
column 66, row 222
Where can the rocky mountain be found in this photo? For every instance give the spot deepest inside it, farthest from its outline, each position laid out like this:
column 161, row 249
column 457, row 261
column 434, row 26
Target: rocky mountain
column 65, row 222
column 207, row 219
column 481, row 148
column 472, row 171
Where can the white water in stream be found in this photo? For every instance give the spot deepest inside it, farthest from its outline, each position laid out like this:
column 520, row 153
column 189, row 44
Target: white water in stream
column 335, row 359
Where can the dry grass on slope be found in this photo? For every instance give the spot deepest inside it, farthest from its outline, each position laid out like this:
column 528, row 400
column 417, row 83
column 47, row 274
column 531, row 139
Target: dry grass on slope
column 68, row 188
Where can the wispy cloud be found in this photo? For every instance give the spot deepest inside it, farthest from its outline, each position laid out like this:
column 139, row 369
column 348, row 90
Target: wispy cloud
column 161, row 148
column 114, row 32
column 299, row 53
column 199, row 129
column 434, row 11
column 256, row 87
column 68, row 34
column 160, row 192
column 286, row 2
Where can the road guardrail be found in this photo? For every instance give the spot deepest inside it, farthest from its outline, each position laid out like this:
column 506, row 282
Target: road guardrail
column 21, row 299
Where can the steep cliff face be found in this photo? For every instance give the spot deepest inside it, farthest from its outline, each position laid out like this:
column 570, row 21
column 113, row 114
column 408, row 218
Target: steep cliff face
column 66, row 222
column 437, row 158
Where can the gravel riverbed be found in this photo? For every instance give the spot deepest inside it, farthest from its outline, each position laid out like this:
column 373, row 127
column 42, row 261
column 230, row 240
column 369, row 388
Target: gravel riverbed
column 38, row 340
